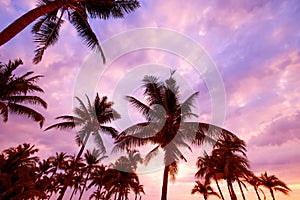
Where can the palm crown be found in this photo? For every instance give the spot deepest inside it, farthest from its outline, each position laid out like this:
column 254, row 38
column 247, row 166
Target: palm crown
column 50, row 18
column 14, row 92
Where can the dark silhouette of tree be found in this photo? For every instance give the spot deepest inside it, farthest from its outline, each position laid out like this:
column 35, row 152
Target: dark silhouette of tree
column 205, row 189
column 14, row 92
column 18, row 178
column 50, row 16
column 255, row 182
column 97, row 180
column 230, row 155
column 120, row 178
column 208, row 168
column 166, row 126
column 274, row 184
column 91, row 119
column 92, row 160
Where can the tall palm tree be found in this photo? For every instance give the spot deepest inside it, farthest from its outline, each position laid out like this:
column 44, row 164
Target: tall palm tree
column 230, row 153
column 50, row 15
column 97, row 180
column 14, row 92
column 255, row 182
column 165, row 125
column 204, row 189
column 91, row 119
column 274, row 184
column 92, row 159
column 208, row 168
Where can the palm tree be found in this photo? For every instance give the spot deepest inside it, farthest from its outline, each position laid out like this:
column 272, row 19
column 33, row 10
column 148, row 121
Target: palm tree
column 255, row 182
column 273, row 183
column 14, row 90
column 138, row 190
column 230, row 154
column 92, row 159
column 121, row 176
column 50, row 18
column 97, row 180
column 91, row 120
column 204, row 189
column 18, row 173
column 166, row 125
column 208, row 168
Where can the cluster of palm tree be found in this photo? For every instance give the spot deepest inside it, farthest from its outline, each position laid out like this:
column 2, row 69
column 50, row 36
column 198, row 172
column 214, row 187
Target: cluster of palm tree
column 167, row 126
column 24, row 176
column 228, row 161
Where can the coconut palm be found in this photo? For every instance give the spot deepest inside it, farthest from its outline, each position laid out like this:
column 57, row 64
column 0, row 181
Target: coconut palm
column 18, row 173
column 50, row 16
column 97, row 180
column 166, row 126
column 230, row 154
column 14, row 92
column 274, row 184
column 208, row 169
column 205, row 189
column 255, row 182
column 92, row 159
column 91, row 120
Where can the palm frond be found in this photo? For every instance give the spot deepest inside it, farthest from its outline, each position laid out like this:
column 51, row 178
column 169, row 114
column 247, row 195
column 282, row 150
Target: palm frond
column 62, row 126
column 23, row 110
column 106, row 9
column 109, row 130
column 151, row 154
column 46, row 36
column 79, row 20
column 28, row 99
column 4, row 111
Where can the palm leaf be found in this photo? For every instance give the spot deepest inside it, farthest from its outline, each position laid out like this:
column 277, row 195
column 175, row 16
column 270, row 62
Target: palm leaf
column 79, row 20
column 28, row 99
column 23, row 110
column 46, row 36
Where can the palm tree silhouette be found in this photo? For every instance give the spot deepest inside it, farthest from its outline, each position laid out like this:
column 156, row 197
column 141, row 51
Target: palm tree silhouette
column 166, row 126
column 14, row 92
column 230, row 154
column 92, row 160
column 91, row 120
column 204, row 189
column 255, row 182
column 274, row 184
column 50, row 14
column 208, row 169
column 18, row 177
column 121, row 176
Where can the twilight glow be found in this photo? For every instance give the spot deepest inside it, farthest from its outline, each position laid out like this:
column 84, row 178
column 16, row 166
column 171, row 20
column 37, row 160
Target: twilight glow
column 255, row 46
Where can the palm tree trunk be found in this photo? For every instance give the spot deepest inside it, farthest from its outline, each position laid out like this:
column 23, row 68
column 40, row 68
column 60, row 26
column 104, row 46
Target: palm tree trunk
column 68, row 179
column 72, row 193
column 240, row 186
column 220, row 191
column 84, row 185
column 164, row 191
column 231, row 190
column 258, row 197
column 272, row 193
column 22, row 22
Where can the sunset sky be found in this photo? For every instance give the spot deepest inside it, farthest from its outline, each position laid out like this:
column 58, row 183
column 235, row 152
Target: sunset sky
column 255, row 48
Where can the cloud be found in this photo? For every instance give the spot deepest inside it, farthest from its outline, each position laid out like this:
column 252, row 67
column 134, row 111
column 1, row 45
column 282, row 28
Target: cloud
column 279, row 131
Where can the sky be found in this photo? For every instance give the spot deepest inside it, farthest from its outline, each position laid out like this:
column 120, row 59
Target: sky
column 252, row 46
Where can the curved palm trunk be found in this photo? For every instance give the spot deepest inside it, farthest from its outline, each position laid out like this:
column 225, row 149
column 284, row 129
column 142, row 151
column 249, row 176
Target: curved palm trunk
column 231, row 190
column 220, row 191
column 164, row 191
column 68, row 179
column 22, row 22
column 240, row 186
column 72, row 193
column 272, row 193
column 258, row 197
column 84, row 185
